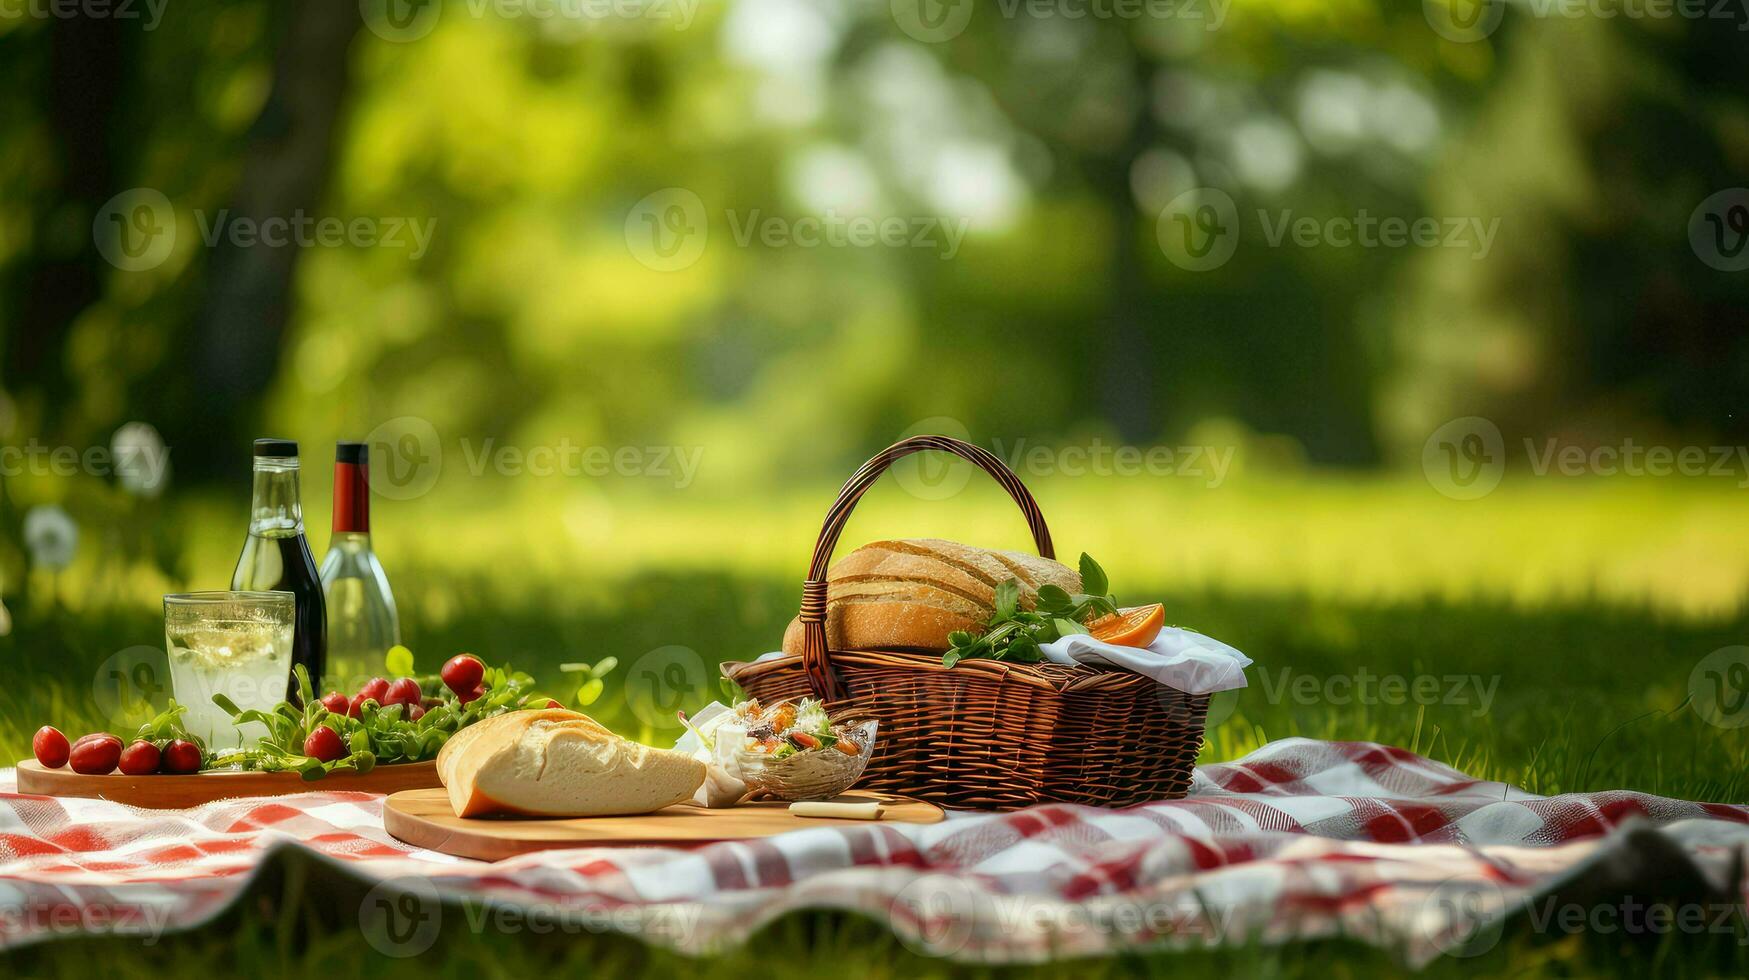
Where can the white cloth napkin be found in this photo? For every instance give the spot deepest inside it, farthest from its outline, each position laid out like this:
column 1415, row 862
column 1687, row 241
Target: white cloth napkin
column 1178, row 658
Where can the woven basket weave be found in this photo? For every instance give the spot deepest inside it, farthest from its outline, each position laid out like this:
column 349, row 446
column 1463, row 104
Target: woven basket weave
column 986, row 734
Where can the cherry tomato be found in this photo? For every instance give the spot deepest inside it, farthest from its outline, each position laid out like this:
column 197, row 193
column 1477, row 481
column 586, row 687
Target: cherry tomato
column 180, row 757
column 465, row 696
column 50, row 746
column 375, row 689
column 462, row 674
column 324, row 743
column 139, row 759
column 335, row 702
column 95, row 754
column 355, row 706
column 404, row 691
column 415, row 712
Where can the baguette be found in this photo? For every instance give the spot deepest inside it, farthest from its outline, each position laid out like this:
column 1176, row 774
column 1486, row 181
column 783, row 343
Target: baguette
column 558, row 763
column 910, row 594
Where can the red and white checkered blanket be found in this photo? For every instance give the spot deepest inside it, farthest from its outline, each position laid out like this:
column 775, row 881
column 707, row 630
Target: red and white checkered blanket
column 1300, row 839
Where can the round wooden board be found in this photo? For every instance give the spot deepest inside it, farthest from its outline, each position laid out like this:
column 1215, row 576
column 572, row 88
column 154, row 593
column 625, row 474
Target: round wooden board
column 160, row 792
column 424, row 818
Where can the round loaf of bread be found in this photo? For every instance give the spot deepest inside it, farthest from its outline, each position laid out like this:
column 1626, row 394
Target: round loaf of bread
column 909, row 594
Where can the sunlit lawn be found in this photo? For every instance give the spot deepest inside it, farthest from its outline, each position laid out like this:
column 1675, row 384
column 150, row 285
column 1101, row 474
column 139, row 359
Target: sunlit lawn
column 1563, row 623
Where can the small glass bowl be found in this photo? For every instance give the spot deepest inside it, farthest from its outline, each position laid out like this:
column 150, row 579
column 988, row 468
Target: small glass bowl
column 816, row 774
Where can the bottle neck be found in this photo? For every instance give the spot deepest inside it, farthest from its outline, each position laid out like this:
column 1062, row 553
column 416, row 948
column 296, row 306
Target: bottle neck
column 275, row 508
column 351, row 498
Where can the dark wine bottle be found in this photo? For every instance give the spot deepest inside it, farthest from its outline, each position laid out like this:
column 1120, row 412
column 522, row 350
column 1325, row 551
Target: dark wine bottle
column 276, row 557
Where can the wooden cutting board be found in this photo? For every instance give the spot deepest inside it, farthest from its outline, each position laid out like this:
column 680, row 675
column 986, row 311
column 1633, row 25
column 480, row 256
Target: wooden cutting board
column 423, row 818
column 161, row 792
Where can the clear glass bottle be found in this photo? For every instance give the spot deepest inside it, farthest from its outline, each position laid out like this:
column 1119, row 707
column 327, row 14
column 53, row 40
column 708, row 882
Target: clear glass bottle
column 362, row 621
column 276, row 557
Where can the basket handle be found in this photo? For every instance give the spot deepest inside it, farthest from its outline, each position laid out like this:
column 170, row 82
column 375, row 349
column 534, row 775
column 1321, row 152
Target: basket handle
column 815, row 659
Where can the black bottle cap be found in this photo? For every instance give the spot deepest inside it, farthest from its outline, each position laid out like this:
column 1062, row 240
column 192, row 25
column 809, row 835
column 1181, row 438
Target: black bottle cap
column 278, row 448
column 352, row 452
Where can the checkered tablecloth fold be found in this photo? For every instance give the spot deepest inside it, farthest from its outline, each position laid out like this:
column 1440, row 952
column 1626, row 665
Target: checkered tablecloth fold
column 1298, row 840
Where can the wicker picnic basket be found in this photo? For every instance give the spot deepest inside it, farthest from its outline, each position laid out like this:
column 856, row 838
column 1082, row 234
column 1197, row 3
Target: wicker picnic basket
column 986, row 734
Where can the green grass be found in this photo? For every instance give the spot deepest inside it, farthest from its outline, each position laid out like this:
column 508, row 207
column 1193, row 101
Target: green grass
column 1580, row 615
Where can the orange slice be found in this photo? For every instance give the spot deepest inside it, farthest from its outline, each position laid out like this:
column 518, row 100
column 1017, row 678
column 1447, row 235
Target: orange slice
column 1134, row 627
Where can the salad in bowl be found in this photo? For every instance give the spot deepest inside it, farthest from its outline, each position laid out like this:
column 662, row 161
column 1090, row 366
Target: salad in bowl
column 789, row 750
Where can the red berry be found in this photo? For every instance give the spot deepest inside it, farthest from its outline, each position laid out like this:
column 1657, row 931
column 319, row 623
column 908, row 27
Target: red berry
column 180, row 757
column 415, row 712
column 465, row 696
column 354, row 708
column 375, row 689
column 139, row 759
column 95, row 754
column 335, row 702
column 324, row 743
column 404, row 691
column 462, row 674
column 50, row 746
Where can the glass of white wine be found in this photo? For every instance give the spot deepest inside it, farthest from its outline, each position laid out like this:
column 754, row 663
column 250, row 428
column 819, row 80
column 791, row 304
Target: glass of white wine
column 238, row 644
